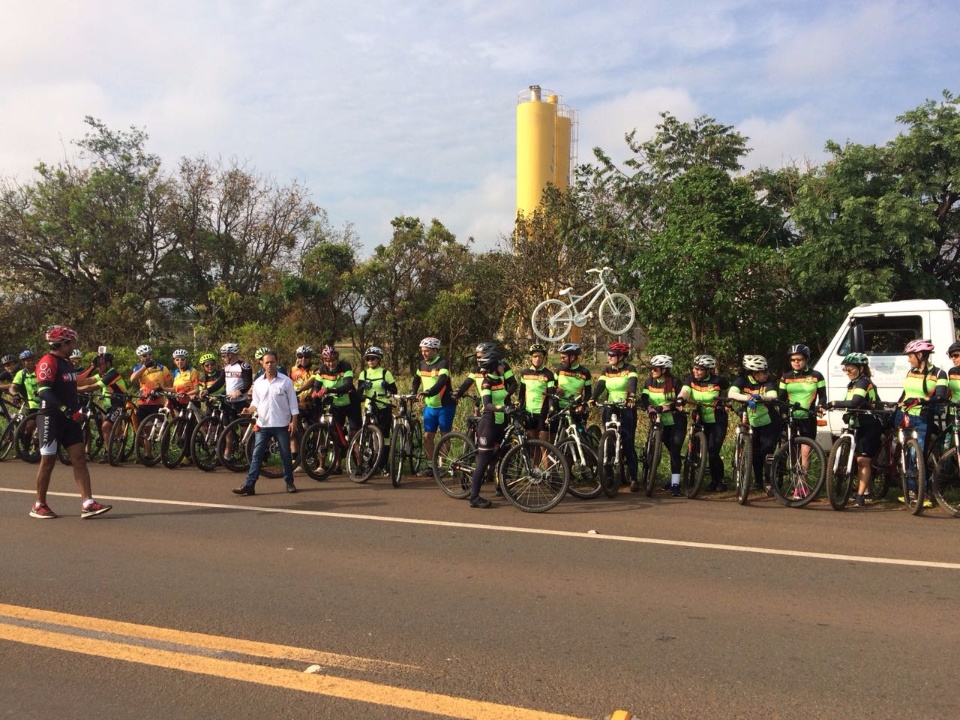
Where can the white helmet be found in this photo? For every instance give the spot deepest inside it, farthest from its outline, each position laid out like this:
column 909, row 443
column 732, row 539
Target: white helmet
column 661, row 361
column 304, row 350
column 144, row 350
column 180, row 353
column 229, row 349
column 755, row 363
column 76, row 354
column 707, row 362
column 430, row 342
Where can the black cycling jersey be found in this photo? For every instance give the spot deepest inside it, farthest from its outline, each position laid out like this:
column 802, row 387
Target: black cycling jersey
column 57, row 384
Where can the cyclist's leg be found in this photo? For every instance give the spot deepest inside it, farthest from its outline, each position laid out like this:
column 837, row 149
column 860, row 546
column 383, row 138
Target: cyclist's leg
column 628, row 440
column 764, row 443
column 716, row 433
column 866, row 443
column 486, row 451
column 431, row 423
column 674, row 437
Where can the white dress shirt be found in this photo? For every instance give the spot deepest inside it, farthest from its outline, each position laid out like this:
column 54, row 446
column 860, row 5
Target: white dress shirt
column 275, row 401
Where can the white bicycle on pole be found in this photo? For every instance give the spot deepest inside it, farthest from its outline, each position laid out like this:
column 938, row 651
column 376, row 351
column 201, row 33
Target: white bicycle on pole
column 552, row 319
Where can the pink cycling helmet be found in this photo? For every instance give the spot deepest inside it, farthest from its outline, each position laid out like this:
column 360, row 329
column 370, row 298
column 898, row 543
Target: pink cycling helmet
column 918, row 346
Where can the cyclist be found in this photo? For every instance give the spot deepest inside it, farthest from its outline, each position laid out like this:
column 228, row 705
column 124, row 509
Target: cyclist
column 659, row 395
column 301, row 373
column 953, row 374
column 924, row 388
column 538, row 387
column 574, row 381
column 752, row 387
column 475, row 376
column 376, row 383
column 494, row 396
column 704, row 387
column 186, row 379
column 23, row 388
column 9, row 369
column 335, row 377
column 432, row 385
column 619, row 382
column 113, row 388
column 151, row 377
column 861, row 395
column 802, row 385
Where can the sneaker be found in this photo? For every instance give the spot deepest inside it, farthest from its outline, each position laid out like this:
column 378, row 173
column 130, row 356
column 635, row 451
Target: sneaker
column 425, row 472
column 244, row 490
column 291, row 488
column 94, row 509
column 800, row 493
column 665, row 486
column 42, row 512
column 859, row 501
column 868, row 498
column 480, row 502
column 928, row 502
column 913, row 498
column 675, row 490
column 634, row 486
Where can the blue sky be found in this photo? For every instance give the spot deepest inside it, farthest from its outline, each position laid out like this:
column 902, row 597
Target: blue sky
column 388, row 108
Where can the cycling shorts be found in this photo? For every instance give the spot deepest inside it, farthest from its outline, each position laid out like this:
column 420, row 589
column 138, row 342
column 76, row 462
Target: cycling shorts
column 55, row 430
column 441, row 417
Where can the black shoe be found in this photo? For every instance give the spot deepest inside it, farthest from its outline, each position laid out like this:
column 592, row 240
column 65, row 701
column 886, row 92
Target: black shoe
column 665, row 486
column 675, row 490
column 480, row 502
column 245, row 490
column 291, row 488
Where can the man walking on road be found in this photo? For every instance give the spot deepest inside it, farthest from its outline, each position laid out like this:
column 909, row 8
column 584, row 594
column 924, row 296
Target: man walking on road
column 275, row 402
column 57, row 423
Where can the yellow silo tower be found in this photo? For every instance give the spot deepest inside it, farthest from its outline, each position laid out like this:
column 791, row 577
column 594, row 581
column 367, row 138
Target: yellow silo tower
column 546, row 145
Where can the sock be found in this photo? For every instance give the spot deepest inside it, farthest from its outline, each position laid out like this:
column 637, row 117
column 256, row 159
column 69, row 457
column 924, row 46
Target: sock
column 675, row 479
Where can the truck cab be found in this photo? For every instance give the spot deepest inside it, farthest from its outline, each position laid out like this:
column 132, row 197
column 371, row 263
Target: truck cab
column 881, row 330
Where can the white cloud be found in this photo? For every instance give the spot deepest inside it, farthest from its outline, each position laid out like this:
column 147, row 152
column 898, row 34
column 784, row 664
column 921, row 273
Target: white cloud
column 782, row 141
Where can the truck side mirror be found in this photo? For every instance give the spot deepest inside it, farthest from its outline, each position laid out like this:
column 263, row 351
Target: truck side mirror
column 857, row 341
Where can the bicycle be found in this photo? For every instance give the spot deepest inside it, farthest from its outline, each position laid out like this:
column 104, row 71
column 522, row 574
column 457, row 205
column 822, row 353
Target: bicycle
column 323, row 443
column 147, row 441
column 26, row 438
column 572, row 441
column 695, row 452
column 203, row 439
column 652, row 452
column 91, row 420
column 743, row 458
column 552, row 319
column 175, row 443
column 8, row 425
column 365, row 450
column 796, row 472
column 406, row 440
column 841, row 463
column 121, row 443
column 611, row 451
column 946, row 474
column 901, row 461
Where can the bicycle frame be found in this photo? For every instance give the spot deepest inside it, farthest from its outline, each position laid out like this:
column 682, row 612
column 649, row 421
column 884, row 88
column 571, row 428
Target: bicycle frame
column 597, row 292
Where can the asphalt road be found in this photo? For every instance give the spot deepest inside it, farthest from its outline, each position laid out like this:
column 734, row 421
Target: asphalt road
column 350, row 601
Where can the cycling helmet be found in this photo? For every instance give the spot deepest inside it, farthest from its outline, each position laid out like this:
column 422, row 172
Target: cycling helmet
column 304, row 350
column 538, row 348
column 261, row 351
column 229, row 349
column 7, row 359
column 144, row 350
column 953, row 348
column 755, row 363
column 207, row 357
column 57, row 334
column 27, row 355
column 707, row 362
column 329, row 352
column 799, row 349
column 661, row 361
column 918, row 346
column 430, row 342
column 856, row 358
column 489, row 361
column 569, row 348
column 618, row 348
column 180, row 353
column 483, row 347
column 373, row 351
column 76, row 354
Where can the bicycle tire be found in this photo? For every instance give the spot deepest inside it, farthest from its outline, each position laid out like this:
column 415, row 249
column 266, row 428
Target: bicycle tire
column 609, row 475
column 454, row 460
column 363, row 453
column 584, row 469
column 416, row 456
column 616, row 313
column 839, row 480
column 173, row 445
column 651, row 459
column 743, row 467
column 148, row 457
column 236, row 460
column 794, row 485
column 203, row 443
column 912, row 448
column 593, row 433
column 551, row 320
column 882, row 480
column 6, row 439
column 398, row 437
column 946, row 482
column 319, row 453
column 534, row 482
column 120, row 441
column 694, row 465
column 28, row 447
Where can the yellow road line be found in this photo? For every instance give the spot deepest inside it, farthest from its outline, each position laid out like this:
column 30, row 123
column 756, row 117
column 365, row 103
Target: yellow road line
column 318, row 684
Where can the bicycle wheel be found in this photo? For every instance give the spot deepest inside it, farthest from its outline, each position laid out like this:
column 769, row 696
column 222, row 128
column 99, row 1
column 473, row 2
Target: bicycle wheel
column 318, row 451
column 26, row 438
column 743, row 466
column 551, row 320
column 915, row 467
column 203, row 443
column 398, row 439
column 534, row 476
column 695, row 464
column 415, row 453
column 584, row 469
column 173, row 445
column 651, row 460
column 593, row 433
column 839, row 479
column 231, row 445
column 882, row 473
column 147, row 441
column 63, row 455
column 946, row 482
column 797, row 480
column 6, row 439
column 610, row 474
column 120, row 442
column 363, row 453
column 454, row 460
column 616, row 313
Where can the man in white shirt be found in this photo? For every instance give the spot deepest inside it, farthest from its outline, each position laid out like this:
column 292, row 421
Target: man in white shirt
column 275, row 402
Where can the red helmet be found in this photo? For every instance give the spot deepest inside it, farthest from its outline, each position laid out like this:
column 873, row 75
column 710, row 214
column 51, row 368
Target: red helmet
column 330, row 352
column 918, row 346
column 618, row 348
column 57, row 334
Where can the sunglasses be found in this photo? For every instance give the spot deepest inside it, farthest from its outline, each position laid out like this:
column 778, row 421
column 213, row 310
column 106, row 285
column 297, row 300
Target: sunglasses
column 304, row 356
column 955, row 354
column 797, row 359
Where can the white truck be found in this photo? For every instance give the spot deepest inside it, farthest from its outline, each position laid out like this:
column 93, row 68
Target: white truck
column 881, row 330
